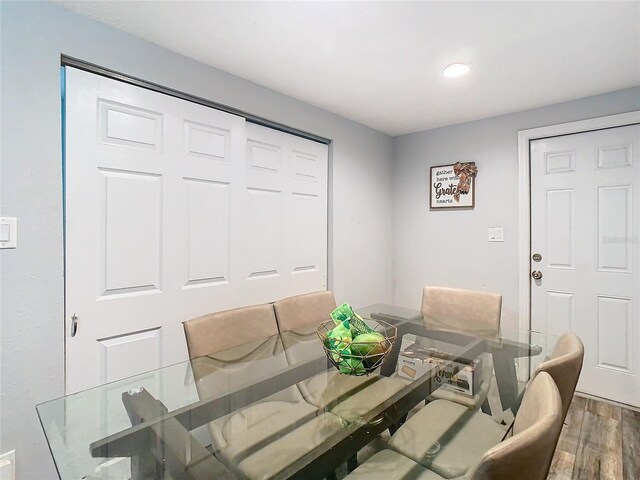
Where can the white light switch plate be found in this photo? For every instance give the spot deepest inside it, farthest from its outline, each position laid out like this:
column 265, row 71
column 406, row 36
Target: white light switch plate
column 8, row 466
column 496, row 234
column 8, row 232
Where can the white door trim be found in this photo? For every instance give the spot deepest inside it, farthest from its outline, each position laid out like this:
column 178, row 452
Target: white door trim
column 524, row 203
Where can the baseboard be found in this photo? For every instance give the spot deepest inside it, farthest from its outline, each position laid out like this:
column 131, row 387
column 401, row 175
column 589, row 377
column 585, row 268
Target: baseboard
column 606, row 400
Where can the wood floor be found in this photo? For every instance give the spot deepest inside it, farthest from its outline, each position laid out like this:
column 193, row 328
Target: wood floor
column 599, row 441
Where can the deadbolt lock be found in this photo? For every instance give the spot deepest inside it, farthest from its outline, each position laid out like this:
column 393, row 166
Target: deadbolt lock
column 536, row 257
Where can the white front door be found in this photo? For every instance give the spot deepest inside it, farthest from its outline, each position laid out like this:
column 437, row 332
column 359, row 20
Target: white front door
column 585, row 224
column 174, row 210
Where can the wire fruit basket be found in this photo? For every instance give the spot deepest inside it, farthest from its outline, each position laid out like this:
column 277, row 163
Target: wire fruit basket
column 354, row 356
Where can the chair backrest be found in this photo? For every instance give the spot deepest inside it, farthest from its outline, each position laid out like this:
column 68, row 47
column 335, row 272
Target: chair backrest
column 465, row 311
column 223, row 330
column 528, row 453
column 564, row 366
column 310, row 308
column 226, row 371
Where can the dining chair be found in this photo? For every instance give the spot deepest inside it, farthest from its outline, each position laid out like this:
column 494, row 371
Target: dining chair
column 468, row 312
column 305, row 309
column 347, row 396
column 224, row 330
column 465, row 311
column 235, row 349
column 564, row 366
column 471, row 443
column 529, row 452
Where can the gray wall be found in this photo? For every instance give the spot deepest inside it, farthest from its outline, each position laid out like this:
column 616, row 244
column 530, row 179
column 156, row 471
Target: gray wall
column 32, row 343
column 449, row 247
column 364, row 186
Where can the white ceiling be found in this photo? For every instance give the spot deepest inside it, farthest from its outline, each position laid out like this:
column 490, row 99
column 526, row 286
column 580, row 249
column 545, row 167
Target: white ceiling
column 380, row 63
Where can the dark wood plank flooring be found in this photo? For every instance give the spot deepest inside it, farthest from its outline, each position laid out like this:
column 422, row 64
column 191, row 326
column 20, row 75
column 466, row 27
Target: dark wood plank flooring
column 599, row 441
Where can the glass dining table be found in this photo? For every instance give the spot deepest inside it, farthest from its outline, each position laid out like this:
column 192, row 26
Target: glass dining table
column 182, row 421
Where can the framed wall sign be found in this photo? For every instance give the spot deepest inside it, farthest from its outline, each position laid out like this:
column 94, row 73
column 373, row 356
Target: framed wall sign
column 453, row 186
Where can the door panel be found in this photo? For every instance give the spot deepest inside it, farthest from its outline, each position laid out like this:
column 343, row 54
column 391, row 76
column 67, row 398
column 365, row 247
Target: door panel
column 584, row 212
column 560, row 238
column 117, row 352
column 128, row 126
column 560, row 312
column 286, row 198
column 174, row 210
column 131, row 233
column 208, row 232
column 206, row 141
column 614, row 333
column 615, row 221
column 265, row 229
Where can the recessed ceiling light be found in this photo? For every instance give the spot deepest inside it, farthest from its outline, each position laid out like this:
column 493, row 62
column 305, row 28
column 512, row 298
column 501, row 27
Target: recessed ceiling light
column 456, row 70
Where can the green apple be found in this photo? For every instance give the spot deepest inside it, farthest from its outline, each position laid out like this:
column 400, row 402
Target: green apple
column 373, row 343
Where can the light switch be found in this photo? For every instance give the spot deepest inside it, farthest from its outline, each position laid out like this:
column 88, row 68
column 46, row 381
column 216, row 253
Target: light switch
column 4, row 232
column 496, row 234
column 8, row 232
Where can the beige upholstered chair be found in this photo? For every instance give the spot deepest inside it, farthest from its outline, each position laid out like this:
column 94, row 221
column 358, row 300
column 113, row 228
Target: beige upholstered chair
column 564, row 366
column 469, row 312
column 465, row 311
column 224, row 330
column 475, row 447
column 349, row 397
column 306, row 309
column 274, row 426
column 528, row 453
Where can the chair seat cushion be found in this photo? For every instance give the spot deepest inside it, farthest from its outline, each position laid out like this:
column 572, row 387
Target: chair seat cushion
column 348, row 396
column 251, row 427
column 325, row 388
column 284, row 451
column 356, row 405
column 387, row 465
column 460, row 436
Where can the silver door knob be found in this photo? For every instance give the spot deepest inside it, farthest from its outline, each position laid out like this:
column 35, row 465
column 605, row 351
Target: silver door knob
column 536, row 274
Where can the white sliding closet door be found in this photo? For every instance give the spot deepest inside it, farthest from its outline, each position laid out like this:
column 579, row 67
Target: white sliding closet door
column 173, row 212
column 286, row 205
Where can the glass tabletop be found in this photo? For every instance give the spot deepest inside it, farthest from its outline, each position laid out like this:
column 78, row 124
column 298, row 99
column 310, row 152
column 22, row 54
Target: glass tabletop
column 277, row 408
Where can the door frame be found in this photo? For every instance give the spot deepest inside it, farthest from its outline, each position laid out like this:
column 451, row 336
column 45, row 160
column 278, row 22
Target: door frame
column 525, row 137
